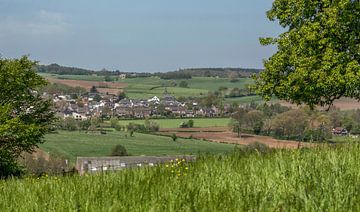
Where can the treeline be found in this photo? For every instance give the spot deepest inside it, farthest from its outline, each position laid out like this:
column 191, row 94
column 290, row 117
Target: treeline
column 219, row 72
column 64, row 70
column 57, row 88
column 179, row 74
column 174, row 75
column 295, row 124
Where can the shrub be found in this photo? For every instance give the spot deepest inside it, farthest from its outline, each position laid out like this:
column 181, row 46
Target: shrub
column 255, row 147
column 119, row 150
column 174, row 137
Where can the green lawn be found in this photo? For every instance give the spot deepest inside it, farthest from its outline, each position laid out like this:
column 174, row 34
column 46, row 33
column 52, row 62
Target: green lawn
column 74, row 144
column 174, row 123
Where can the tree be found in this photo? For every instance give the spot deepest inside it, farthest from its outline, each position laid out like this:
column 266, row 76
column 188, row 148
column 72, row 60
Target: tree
column 121, row 95
column 233, row 76
column 318, row 58
column 183, row 84
column 93, row 89
column 238, row 120
column 254, row 120
column 119, row 150
column 25, row 116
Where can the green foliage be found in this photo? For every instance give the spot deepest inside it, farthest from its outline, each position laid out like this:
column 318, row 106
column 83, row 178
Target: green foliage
column 97, row 97
column 318, row 57
column 25, row 116
column 57, row 88
column 238, row 120
column 188, row 124
column 40, row 165
column 183, row 84
column 119, row 150
column 174, row 137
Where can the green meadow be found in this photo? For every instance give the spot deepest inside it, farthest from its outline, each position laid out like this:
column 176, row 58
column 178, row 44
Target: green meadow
column 174, row 123
column 80, row 144
column 318, row 179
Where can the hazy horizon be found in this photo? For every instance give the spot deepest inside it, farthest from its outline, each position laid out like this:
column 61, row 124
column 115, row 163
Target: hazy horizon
column 137, row 36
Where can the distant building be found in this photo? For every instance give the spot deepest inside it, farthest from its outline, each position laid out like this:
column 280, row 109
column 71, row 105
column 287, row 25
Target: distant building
column 101, row 164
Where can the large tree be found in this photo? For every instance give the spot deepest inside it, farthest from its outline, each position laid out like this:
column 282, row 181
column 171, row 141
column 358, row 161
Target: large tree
column 318, row 55
column 24, row 115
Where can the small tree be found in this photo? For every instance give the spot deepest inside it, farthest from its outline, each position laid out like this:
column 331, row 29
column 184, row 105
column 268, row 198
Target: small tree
column 119, row 150
column 174, row 137
column 93, row 89
column 183, row 84
column 238, row 120
column 190, row 123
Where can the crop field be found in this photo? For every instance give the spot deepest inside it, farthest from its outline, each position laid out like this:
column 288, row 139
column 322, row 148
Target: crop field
column 103, row 87
column 197, row 86
column 75, row 144
column 174, row 123
column 317, row 179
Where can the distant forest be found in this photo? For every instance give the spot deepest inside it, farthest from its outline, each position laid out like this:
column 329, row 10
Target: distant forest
column 180, row 74
column 208, row 72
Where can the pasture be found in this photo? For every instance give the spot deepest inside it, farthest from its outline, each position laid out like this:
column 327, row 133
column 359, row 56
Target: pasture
column 317, row 179
column 143, row 88
column 174, row 123
column 75, row 144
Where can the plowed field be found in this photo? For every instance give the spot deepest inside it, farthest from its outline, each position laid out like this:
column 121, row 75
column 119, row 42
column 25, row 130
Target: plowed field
column 224, row 135
column 102, row 87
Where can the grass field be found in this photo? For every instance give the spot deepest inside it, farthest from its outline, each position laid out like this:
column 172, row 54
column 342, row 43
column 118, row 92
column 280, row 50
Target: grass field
column 323, row 179
column 73, row 144
column 174, row 123
column 141, row 87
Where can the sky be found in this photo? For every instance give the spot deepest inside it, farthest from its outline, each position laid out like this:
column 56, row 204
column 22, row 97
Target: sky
column 138, row 35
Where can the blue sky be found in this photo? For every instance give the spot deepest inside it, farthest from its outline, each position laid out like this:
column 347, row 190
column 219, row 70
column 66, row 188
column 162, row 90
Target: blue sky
column 137, row 35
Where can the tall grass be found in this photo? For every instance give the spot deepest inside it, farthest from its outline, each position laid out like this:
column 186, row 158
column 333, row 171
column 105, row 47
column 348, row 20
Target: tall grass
column 322, row 179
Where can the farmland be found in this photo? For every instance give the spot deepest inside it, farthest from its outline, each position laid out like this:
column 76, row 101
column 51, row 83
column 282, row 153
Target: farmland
column 73, row 144
column 174, row 123
column 318, row 179
column 142, row 88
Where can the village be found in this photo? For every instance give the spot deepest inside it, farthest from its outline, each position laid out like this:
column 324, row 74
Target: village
column 90, row 105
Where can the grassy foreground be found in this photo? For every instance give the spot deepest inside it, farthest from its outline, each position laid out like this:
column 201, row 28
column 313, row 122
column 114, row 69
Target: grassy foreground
column 324, row 179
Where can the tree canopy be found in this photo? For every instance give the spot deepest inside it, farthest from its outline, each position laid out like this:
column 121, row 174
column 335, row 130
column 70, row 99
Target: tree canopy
column 24, row 115
column 318, row 56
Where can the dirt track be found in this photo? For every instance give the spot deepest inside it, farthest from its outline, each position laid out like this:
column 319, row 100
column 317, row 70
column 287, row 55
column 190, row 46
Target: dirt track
column 223, row 135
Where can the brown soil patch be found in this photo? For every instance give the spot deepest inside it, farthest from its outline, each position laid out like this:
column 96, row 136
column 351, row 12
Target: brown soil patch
column 223, row 135
column 102, row 87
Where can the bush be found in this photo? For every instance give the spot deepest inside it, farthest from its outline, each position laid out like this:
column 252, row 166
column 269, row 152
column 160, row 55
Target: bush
column 40, row 165
column 255, row 147
column 174, row 137
column 119, row 150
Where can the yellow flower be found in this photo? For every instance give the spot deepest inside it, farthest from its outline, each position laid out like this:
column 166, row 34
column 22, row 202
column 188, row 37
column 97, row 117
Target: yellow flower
column 167, row 166
column 176, row 159
column 183, row 160
column 186, row 168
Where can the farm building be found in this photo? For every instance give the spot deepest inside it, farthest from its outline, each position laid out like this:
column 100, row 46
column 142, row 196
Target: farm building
column 100, row 164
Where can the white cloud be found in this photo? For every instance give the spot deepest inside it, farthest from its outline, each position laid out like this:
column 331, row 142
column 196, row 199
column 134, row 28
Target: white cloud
column 43, row 23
